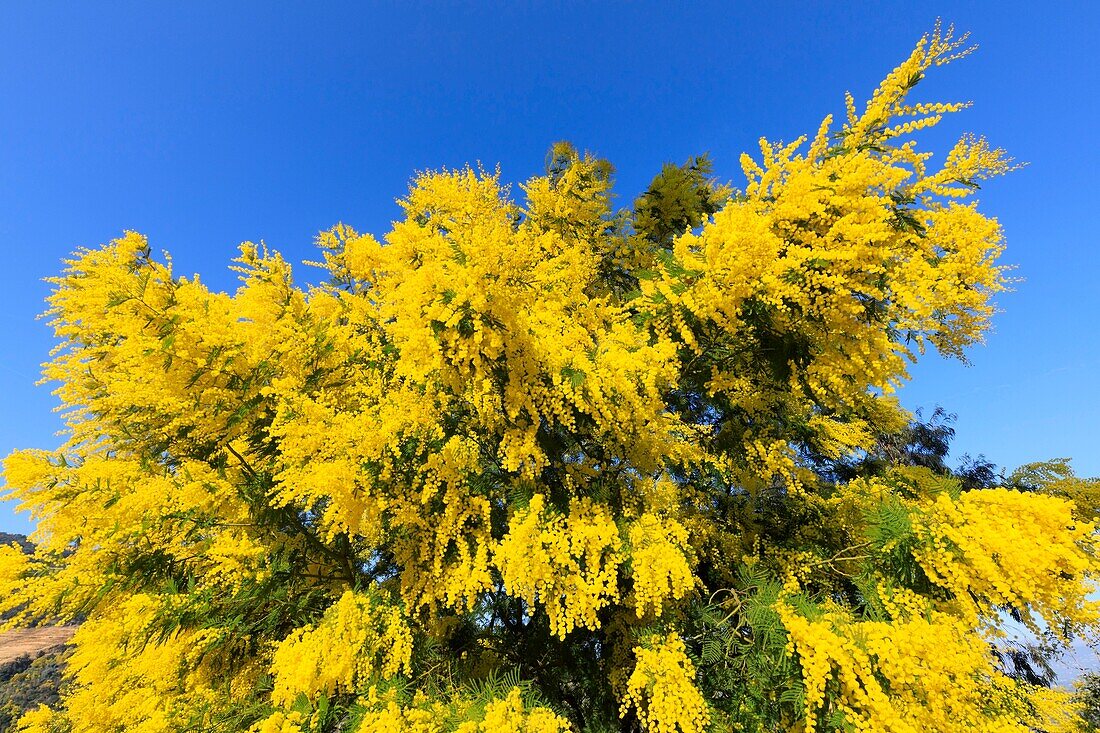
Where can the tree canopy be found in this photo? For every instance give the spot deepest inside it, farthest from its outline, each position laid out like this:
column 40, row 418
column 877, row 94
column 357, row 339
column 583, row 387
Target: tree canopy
column 535, row 464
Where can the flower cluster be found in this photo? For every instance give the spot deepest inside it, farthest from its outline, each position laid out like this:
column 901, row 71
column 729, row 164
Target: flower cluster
column 661, row 689
column 359, row 639
column 659, row 565
column 506, row 714
column 982, row 548
column 901, row 677
column 569, row 562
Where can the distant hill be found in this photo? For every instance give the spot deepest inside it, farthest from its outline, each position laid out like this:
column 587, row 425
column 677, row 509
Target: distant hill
column 32, row 643
column 6, row 538
column 32, row 662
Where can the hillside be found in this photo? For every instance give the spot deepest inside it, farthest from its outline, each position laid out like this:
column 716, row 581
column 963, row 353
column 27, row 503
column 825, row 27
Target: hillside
column 32, row 642
column 31, row 665
column 6, row 538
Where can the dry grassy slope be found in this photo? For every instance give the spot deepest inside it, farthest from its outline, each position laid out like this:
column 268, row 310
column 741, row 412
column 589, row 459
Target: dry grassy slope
column 29, row 642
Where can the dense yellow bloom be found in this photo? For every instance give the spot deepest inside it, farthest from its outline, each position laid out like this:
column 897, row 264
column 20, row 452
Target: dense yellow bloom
column 662, row 691
column 41, row 720
column 395, row 718
column 530, row 464
column 906, row 676
column 844, row 247
column 358, row 639
column 984, row 548
column 570, row 563
column 1055, row 711
column 279, row 723
column 123, row 680
column 504, row 716
column 507, row 714
column 659, row 567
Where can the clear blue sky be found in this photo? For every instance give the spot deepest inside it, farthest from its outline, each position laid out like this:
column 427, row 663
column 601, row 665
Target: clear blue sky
column 205, row 124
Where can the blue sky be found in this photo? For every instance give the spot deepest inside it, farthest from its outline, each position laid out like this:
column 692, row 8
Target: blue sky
column 206, row 124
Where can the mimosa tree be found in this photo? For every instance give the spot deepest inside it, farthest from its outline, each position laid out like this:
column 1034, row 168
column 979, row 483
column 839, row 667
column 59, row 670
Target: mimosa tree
column 537, row 465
